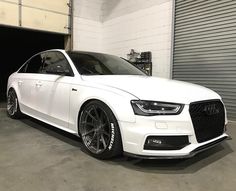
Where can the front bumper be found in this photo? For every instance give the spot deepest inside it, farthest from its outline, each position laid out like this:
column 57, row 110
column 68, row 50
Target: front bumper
column 189, row 155
column 135, row 134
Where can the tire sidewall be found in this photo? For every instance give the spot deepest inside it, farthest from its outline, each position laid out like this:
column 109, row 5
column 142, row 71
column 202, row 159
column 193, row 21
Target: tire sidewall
column 18, row 113
column 114, row 147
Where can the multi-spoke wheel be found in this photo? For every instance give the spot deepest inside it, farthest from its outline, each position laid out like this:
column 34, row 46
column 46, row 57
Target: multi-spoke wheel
column 99, row 130
column 13, row 108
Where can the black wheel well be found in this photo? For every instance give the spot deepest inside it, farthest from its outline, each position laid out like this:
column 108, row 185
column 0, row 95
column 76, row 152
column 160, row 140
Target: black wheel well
column 11, row 88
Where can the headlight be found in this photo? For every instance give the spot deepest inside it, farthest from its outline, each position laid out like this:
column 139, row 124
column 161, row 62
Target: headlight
column 150, row 108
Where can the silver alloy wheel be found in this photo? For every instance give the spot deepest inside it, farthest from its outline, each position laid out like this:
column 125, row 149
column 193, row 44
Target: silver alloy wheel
column 95, row 129
column 12, row 103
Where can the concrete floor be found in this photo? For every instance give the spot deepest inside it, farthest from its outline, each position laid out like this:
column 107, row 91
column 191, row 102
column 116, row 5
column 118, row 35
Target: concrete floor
column 35, row 156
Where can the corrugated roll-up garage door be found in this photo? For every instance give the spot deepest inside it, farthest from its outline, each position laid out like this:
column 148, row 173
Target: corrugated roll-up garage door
column 205, row 46
column 45, row 15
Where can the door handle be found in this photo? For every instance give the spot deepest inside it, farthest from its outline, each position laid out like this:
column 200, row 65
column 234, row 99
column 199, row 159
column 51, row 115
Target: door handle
column 39, row 84
column 20, row 83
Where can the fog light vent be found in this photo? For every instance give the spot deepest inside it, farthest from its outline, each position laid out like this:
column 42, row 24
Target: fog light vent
column 166, row 142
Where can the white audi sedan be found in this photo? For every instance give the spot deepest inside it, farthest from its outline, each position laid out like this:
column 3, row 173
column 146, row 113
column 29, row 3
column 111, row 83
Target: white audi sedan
column 115, row 107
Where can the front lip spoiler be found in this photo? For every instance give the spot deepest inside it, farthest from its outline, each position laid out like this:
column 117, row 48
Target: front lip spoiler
column 191, row 154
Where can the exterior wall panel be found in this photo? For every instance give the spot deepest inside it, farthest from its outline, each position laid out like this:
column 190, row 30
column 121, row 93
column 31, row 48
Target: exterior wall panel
column 54, row 6
column 44, row 20
column 51, row 16
column 9, row 13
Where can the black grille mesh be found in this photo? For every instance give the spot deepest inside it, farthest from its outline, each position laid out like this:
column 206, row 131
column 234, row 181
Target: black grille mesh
column 208, row 118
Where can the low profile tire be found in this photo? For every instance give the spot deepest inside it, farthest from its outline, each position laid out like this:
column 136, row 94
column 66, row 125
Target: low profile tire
column 99, row 130
column 13, row 109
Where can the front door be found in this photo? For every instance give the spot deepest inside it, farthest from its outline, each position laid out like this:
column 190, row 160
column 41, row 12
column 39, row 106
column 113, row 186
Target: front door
column 53, row 89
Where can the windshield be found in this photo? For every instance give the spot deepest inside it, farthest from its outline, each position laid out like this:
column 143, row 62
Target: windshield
column 102, row 64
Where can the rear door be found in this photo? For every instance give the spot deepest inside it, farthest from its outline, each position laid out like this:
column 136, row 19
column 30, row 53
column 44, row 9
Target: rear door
column 27, row 82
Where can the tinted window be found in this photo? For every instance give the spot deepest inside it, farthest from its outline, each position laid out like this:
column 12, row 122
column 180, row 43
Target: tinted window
column 102, row 64
column 34, row 65
column 23, row 69
column 55, row 62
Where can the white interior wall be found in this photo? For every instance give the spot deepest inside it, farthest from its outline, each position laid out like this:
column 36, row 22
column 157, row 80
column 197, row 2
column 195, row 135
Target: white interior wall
column 116, row 26
column 87, row 31
column 115, row 8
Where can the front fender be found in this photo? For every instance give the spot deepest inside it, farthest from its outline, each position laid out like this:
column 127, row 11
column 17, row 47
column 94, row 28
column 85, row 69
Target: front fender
column 117, row 101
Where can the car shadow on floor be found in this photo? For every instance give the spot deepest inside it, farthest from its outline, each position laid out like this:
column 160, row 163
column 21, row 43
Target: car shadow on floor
column 177, row 166
column 53, row 131
column 164, row 166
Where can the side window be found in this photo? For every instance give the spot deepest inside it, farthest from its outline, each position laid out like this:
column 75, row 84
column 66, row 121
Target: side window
column 87, row 64
column 56, row 63
column 34, row 65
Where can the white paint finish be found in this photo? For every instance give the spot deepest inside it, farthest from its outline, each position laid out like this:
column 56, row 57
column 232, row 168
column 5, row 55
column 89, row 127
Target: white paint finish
column 153, row 88
column 53, row 5
column 9, row 14
column 52, row 93
column 35, row 97
column 44, row 20
column 60, row 104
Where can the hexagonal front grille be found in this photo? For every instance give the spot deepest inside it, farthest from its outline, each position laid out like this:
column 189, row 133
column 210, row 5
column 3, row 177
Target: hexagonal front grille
column 208, row 118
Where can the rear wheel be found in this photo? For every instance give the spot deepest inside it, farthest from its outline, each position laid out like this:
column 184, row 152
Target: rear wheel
column 13, row 108
column 100, row 131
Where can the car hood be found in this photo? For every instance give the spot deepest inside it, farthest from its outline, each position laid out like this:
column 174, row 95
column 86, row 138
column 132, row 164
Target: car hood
column 156, row 89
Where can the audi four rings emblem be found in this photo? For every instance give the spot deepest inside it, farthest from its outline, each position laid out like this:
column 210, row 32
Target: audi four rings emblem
column 211, row 109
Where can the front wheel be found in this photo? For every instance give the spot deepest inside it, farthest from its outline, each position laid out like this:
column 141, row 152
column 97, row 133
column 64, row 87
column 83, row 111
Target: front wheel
column 100, row 131
column 13, row 109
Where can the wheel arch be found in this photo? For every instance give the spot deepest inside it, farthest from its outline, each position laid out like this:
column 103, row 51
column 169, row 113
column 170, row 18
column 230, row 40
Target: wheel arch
column 87, row 102
column 16, row 112
column 114, row 146
column 12, row 84
column 10, row 88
